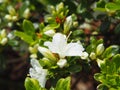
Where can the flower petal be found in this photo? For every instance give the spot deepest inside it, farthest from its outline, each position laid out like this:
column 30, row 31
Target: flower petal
column 74, row 49
column 58, row 44
column 38, row 72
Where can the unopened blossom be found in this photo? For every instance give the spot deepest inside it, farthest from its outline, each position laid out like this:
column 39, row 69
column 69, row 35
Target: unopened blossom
column 38, row 73
column 47, row 53
column 84, row 55
column 100, row 49
column 49, row 32
column 61, row 63
column 92, row 55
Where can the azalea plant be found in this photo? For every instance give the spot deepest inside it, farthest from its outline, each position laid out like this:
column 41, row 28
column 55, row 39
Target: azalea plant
column 62, row 41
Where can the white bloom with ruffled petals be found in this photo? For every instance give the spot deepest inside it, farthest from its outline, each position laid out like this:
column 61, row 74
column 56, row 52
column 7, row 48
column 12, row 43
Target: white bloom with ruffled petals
column 37, row 72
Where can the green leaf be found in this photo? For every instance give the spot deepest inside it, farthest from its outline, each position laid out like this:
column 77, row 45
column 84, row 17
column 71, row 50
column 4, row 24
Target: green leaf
column 28, row 27
column 102, row 87
column 116, row 61
column 99, row 77
column 112, row 7
column 101, row 4
column 63, row 84
column 110, row 51
column 117, row 1
column 117, row 29
column 100, row 9
column 32, row 84
column 23, row 8
column 51, row 26
column 24, row 37
column 75, row 68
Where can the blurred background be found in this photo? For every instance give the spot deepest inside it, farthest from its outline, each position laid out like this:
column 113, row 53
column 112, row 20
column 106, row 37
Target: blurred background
column 14, row 56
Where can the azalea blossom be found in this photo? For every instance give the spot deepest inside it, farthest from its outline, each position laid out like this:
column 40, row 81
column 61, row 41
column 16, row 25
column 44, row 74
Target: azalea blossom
column 60, row 46
column 37, row 72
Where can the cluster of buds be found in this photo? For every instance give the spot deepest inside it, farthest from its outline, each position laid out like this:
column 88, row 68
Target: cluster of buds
column 33, row 50
column 3, row 37
column 99, row 51
column 12, row 16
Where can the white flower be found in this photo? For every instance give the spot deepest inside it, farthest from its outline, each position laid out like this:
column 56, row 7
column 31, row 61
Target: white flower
column 37, row 72
column 59, row 45
column 61, row 63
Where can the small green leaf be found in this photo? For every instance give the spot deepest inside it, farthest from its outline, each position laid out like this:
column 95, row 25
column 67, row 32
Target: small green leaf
column 75, row 68
column 116, row 61
column 100, row 9
column 31, row 84
column 24, row 37
column 99, row 77
column 110, row 51
column 112, row 7
column 63, row 84
column 51, row 26
column 28, row 27
column 102, row 87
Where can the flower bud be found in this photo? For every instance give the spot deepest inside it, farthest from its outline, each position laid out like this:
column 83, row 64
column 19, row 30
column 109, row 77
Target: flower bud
column 26, row 13
column 67, row 24
column 11, row 36
column 47, row 62
column 4, row 41
column 3, row 33
column 32, row 50
column 60, row 6
column 14, row 18
column 62, row 62
column 100, row 48
column 11, row 10
column 92, row 56
column 75, row 24
column 49, row 33
column 8, row 17
column 84, row 55
column 47, row 53
column 33, row 56
column 85, row 26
